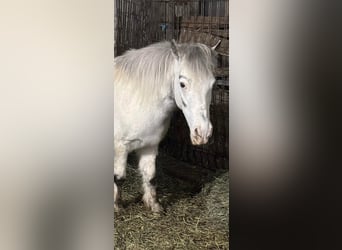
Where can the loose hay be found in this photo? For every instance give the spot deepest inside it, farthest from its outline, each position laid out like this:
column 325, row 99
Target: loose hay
column 191, row 220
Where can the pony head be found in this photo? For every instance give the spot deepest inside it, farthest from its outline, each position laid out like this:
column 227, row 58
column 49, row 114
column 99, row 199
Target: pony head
column 193, row 85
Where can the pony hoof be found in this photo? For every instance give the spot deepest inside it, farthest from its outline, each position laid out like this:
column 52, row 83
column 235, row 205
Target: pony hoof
column 156, row 208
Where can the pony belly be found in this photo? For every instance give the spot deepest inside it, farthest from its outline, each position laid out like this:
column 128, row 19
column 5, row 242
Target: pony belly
column 143, row 141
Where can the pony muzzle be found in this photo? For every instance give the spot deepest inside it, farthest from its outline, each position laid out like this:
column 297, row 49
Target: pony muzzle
column 200, row 136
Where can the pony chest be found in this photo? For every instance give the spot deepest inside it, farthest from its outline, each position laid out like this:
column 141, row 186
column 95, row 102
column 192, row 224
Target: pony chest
column 148, row 131
column 152, row 127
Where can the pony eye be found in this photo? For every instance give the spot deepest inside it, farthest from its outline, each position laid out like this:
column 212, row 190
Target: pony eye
column 182, row 85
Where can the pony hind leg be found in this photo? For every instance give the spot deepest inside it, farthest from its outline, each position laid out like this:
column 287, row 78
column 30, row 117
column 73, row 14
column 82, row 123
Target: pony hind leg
column 120, row 162
column 147, row 167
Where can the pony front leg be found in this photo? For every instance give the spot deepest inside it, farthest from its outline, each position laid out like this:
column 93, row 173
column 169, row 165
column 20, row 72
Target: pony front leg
column 120, row 162
column 147, row 167
column 116, row 197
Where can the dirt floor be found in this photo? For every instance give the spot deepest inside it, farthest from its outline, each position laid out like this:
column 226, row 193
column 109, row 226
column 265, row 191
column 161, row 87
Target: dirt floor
column 195, row 213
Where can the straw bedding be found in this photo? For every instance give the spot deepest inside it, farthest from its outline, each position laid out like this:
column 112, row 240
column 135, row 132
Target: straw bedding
column 195, row 215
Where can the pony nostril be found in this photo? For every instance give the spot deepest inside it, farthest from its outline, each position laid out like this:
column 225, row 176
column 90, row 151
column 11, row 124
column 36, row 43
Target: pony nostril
column 197, row 132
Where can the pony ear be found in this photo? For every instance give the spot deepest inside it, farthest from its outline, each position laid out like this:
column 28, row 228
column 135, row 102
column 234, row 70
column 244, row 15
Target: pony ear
column 174, row 48
column 217, row 44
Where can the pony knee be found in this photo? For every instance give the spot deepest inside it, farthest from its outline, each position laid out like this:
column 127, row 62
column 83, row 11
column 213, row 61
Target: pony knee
column 147, row 167
column 147, row 170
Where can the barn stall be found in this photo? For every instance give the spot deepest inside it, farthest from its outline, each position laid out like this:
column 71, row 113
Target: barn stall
column 192, row 181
